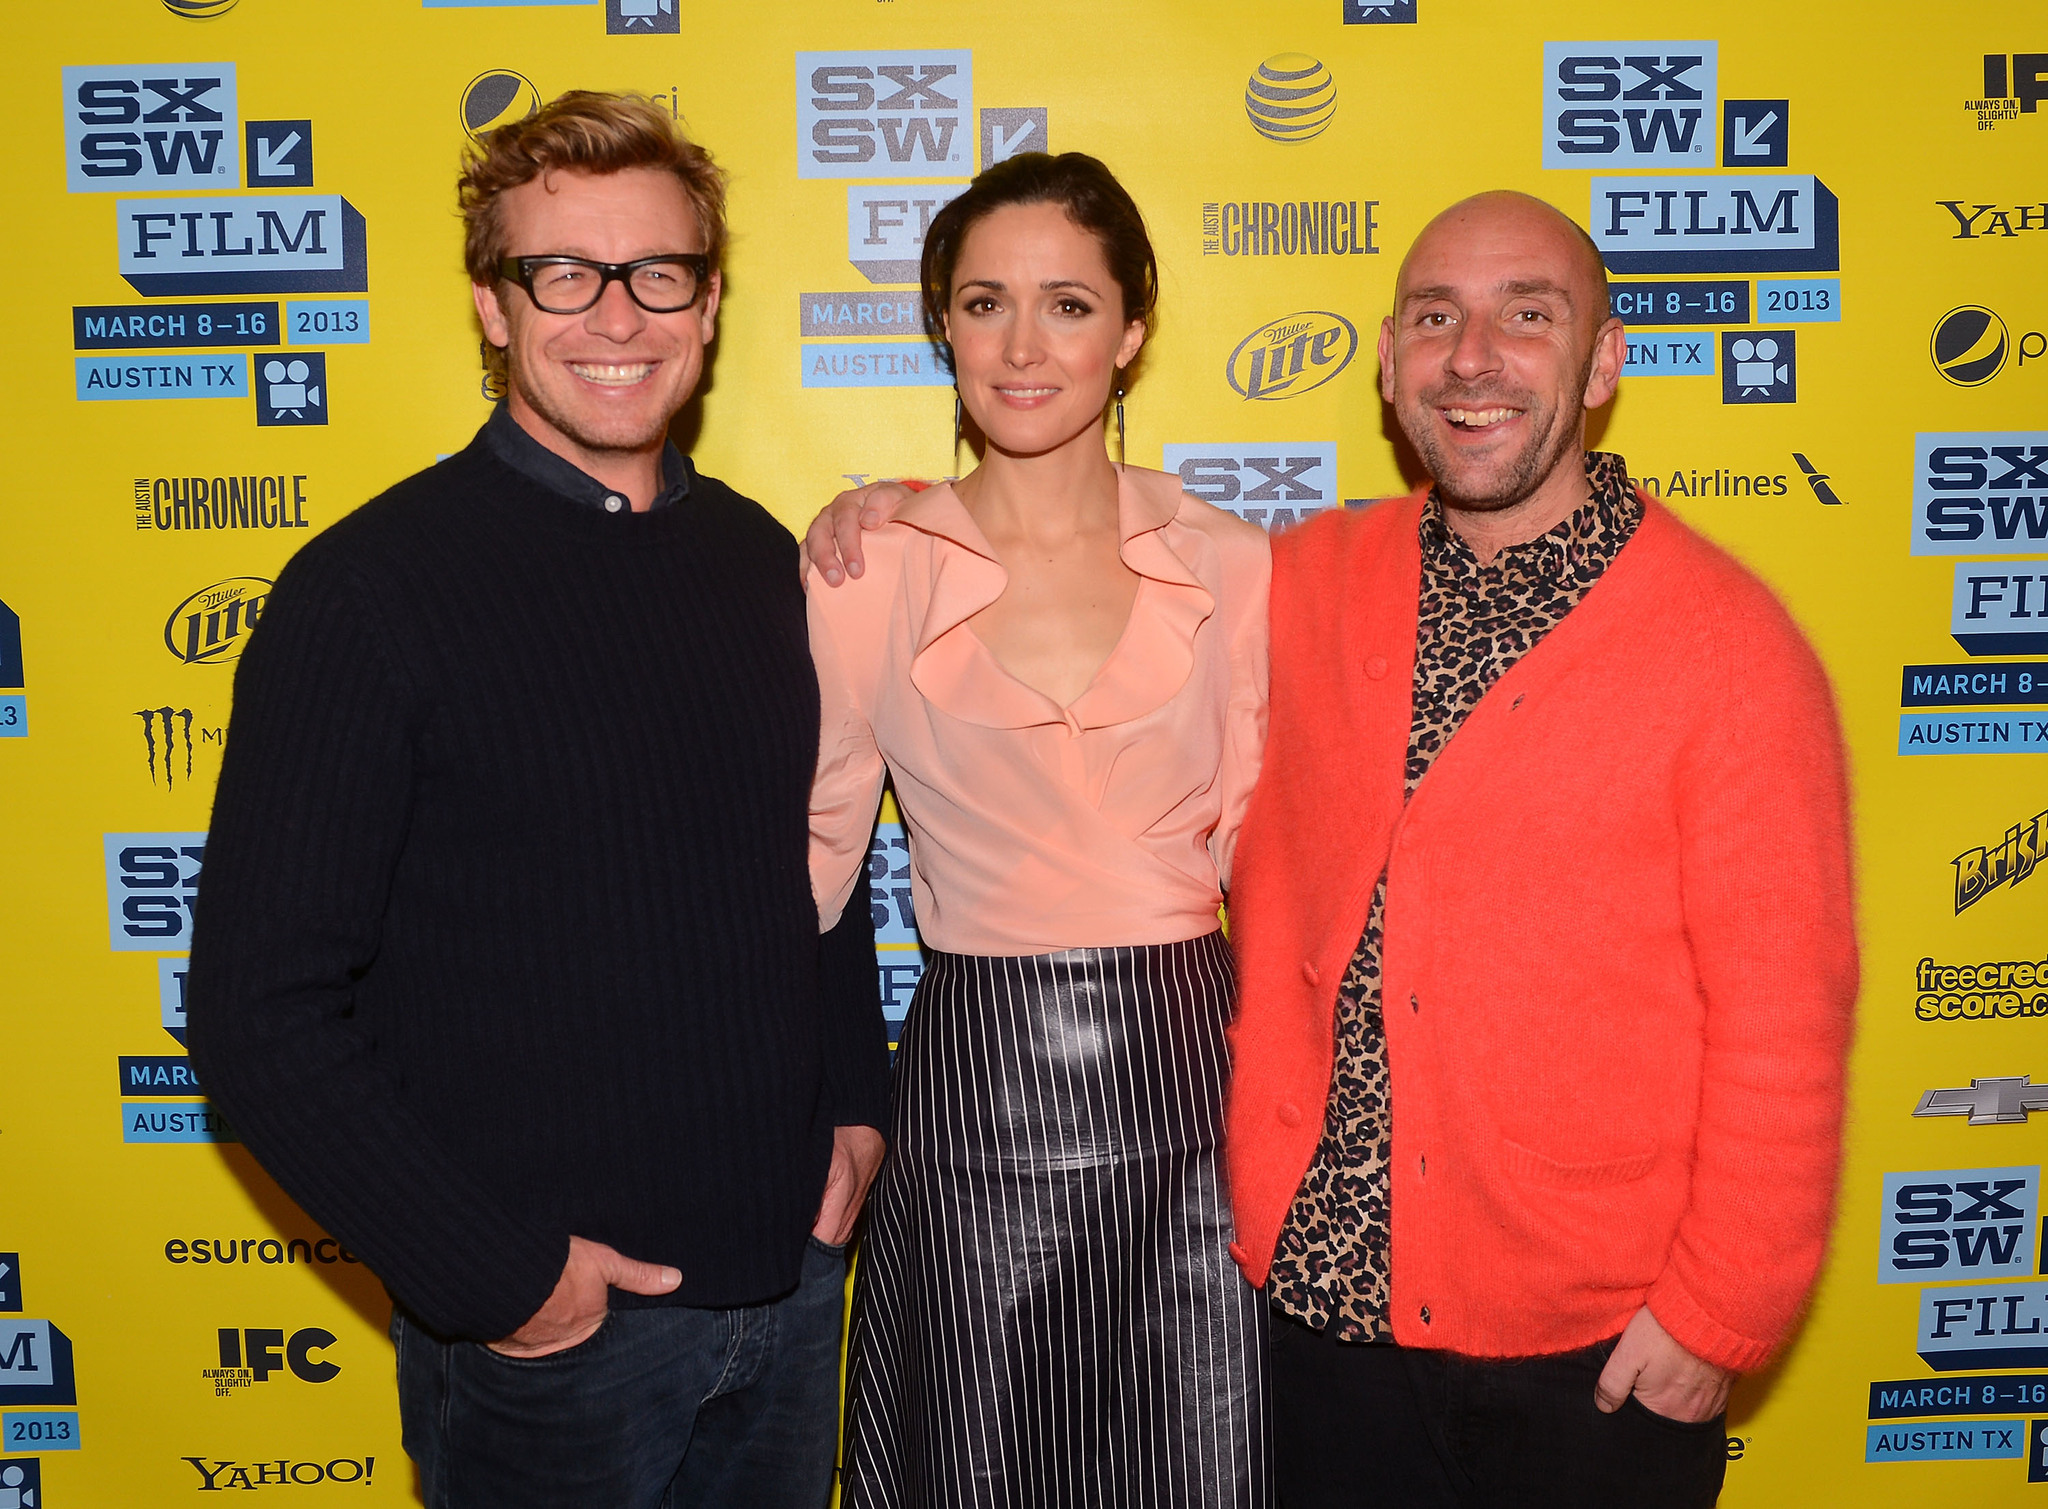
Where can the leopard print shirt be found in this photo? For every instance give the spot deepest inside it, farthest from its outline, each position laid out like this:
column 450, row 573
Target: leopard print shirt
column 1474, row 622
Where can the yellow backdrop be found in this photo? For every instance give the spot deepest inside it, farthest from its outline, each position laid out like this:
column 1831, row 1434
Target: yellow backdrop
column 238, row 311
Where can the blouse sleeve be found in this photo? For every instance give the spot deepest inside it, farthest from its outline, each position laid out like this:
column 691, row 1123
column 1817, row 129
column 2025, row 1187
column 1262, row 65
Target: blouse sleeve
column 848, row 786
column 1244, row 733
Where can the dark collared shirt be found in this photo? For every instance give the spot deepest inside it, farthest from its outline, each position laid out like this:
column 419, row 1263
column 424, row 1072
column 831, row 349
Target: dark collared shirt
column 526, row 455
column 1473, row 622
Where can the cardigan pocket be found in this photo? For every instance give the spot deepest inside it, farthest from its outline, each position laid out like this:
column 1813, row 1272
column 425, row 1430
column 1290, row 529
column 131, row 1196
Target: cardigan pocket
column 1527, row 1166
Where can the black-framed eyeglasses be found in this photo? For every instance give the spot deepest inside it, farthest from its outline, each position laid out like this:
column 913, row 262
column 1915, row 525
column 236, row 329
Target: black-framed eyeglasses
column 666, row 284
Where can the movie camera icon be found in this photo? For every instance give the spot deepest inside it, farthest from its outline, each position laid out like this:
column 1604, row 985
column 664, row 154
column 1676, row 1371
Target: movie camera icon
column 292, row 391
column 1759, row 367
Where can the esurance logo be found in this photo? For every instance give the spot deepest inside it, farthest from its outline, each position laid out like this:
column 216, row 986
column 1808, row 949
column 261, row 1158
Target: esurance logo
column 1958, row 1223
column 212, row 625
column 1273, row 486
column 884, row 114
column 160, row 126
column 1634, row 104
column 1292, row 355
column 1981, row 493
column 1761, row 222
column 152, row 881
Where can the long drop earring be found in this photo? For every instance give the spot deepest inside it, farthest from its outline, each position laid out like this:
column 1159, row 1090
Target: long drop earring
column 1119, row 424
column 958, row 416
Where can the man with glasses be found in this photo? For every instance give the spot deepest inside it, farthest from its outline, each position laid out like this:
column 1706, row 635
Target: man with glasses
column 507, row 967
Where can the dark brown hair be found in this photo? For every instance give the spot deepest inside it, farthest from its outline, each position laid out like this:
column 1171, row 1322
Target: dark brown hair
column 1078, row 184
column 586, row 132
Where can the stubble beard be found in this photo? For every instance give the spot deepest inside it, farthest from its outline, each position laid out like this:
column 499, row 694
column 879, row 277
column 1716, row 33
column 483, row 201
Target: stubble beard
column 1551, row 445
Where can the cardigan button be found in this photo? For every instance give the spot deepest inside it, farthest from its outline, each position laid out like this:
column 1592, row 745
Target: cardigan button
column 1289, row 1113
column 1425, row 1315
column 1310, row 973
column 1376, row 666
column 1413, row 1004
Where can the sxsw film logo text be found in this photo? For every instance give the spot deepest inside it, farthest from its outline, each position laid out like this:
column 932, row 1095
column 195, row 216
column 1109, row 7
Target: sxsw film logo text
column 164, row 126
column 1958, row 1224
column 1640, row 104
column 884, row 114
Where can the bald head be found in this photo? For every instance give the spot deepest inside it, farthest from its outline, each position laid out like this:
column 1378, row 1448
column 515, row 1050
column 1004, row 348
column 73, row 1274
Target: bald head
column 1500, row 341
column 1545, row 242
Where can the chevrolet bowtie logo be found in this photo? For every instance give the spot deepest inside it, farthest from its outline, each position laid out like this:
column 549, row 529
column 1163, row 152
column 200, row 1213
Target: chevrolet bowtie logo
column 1987, row 1102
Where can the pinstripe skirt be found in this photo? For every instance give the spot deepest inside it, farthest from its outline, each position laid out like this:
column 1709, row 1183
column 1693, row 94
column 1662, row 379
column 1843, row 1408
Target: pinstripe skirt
column 1045, row 1311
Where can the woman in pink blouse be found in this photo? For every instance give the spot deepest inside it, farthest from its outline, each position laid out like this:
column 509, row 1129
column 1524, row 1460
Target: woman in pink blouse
column 1061, row 663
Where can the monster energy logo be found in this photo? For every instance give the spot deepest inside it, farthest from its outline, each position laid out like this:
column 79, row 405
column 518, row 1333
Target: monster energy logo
column 168, row 735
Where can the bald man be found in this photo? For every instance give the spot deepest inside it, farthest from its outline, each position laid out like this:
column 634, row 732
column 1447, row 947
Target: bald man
column 1543, row 920
column 1542, row 909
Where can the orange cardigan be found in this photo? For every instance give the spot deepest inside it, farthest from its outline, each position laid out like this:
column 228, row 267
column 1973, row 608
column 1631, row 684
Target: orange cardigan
column 1620, row 962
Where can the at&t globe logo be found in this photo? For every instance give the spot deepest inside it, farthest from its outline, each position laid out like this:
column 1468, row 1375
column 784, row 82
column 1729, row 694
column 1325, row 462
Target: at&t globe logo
column 1290, row 97
column 495, row 99
column 1970, row 345
column 199, row 10
column 1292, row 355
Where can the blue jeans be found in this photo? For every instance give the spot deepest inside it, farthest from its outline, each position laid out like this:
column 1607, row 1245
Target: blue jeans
column 666, row 1408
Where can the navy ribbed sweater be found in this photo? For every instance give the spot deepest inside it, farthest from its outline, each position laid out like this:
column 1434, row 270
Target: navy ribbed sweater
column 505, row 931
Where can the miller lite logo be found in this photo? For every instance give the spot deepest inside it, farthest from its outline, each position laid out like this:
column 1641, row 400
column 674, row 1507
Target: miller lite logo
column 1292, row 355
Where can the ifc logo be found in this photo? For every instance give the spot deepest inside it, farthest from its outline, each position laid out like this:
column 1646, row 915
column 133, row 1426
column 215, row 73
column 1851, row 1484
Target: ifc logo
column 1970, row 343
column 497, row 98
column 199, row 10
column 1290, row 97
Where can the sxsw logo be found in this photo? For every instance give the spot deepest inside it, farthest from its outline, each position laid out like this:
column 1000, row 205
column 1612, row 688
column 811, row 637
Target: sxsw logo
column 152, row 879
column 885, row 114
column 886, row 225
column 1958, row 1223
column 1634, row 104
column 1983, row 1326
column 1272, row 486
column 1761, row 222
column 159, row 126
column 35, row 1364
column 1980, row 493
column 254, row 243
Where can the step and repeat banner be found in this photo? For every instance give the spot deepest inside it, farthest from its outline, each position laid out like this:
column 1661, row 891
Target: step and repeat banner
column 1828, row 230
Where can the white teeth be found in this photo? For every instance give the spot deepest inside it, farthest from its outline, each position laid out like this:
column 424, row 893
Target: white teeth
column 1027, row 392
column 612, row 374
column 1479, row 417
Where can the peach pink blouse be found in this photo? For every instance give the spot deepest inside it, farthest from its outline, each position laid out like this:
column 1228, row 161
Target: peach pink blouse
column 1035, row 827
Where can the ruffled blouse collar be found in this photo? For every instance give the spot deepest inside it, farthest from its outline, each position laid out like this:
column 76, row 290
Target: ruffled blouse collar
column 954, row 671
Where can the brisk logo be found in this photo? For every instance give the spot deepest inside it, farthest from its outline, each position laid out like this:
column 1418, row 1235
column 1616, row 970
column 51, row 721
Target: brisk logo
column 160, row 126
column 1958, row 1223
column 884, row 114
column 1639, row 104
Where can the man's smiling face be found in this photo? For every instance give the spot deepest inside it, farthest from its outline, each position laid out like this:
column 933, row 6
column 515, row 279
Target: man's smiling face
column 611, row 378
column 1494, row 351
